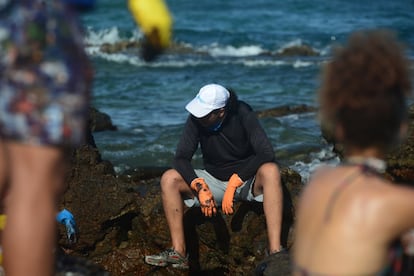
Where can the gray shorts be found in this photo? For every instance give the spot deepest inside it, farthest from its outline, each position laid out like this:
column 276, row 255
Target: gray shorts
column 218, row 187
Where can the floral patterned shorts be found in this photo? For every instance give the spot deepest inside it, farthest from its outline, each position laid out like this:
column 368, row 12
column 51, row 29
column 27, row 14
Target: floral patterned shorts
column 45, row 74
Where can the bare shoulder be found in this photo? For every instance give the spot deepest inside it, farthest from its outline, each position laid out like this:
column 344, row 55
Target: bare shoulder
column 316, row 187
column 321, row 172
column 396, row 189
column 400, row 192
column 399, row 204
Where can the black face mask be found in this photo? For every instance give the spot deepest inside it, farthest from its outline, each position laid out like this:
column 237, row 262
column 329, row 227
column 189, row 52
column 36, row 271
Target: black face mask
column 216, row 126
column 212, row 121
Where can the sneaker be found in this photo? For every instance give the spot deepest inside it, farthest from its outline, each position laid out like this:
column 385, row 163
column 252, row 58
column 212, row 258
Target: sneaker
column 168, row 256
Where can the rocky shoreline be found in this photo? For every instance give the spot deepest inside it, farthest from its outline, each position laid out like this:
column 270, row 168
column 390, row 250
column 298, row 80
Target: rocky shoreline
column 120, row 217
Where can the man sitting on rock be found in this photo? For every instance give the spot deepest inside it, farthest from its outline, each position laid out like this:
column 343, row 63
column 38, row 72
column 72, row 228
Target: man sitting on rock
column 238, row 165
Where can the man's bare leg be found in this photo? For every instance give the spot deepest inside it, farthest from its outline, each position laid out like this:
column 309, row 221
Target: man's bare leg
column 268, row 183
column 36, row 175
column 172, row 188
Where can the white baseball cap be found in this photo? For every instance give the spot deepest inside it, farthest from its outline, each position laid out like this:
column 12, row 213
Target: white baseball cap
column 210, row 97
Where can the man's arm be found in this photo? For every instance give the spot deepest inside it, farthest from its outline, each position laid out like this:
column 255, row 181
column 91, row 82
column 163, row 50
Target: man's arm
column 186, row 147
column 262, row 147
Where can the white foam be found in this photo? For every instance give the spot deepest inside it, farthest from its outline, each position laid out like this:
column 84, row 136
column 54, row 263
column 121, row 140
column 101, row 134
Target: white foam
column 299, row 63
column 121, row 168
column 100, row 37
column 232, row 51
column 263, row 63
column 324, row 157
column 115, row 57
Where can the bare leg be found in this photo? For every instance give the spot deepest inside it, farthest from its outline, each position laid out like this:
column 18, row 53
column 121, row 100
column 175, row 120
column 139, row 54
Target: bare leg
column 3, row 177
column 268, row 184
column 36, row 176
column 3, row 174
column 172, row 187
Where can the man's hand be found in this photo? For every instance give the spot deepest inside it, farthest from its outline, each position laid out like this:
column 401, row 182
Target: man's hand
column 227, row 204
column 205, row 196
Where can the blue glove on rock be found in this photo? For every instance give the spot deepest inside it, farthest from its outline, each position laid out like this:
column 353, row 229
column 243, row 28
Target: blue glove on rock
column 66, row 218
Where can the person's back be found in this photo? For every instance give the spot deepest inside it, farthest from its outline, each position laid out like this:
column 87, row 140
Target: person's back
column 347, row 219
column 348, row 216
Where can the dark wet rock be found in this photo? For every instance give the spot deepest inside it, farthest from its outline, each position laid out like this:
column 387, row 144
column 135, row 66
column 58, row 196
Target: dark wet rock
column 144, row 173
column 135, row 47
column 120, row 46
column 298, row 50
column 67, row 265
column 285, row 110
column 91, row 185
column 400, row 162
column 277, row 264
column 100, row 121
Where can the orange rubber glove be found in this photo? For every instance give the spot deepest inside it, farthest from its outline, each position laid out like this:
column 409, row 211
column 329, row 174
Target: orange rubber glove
column 227, row 204
column 205, row 196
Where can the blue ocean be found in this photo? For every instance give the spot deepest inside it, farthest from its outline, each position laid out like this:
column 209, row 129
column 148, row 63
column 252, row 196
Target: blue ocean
column 234, row 43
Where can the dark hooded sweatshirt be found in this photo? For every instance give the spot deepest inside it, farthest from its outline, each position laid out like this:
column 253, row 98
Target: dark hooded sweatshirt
column 240, row 146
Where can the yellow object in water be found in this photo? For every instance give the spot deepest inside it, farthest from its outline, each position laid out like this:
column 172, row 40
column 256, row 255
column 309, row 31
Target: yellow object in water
column 154, row 19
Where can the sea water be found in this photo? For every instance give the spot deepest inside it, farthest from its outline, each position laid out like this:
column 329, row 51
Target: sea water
column 236, row 44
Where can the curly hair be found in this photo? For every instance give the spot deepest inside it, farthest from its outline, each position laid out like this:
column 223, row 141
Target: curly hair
column 364, row 89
